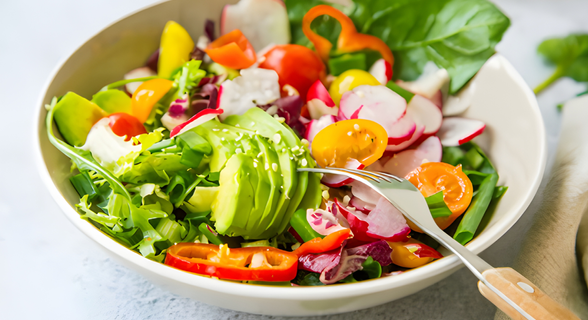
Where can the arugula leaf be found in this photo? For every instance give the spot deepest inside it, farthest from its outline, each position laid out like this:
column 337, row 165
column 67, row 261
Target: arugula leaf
column 457, row 35
column 122, row 213
column 570, row 56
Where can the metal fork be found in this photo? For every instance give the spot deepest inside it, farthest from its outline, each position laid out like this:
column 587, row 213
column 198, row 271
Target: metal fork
column 506, row 288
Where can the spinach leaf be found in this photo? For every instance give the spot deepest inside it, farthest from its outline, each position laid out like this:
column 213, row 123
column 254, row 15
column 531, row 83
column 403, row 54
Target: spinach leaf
column 458, row 35
column 570, row 57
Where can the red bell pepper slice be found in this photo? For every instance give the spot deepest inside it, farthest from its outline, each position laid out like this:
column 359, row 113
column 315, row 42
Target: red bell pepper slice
column 232, row 50
column 253, row 263
column 320, row 245
column 349, row 39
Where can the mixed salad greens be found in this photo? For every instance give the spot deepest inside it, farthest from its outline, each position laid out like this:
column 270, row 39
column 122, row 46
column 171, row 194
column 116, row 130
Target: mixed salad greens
column 193, row 159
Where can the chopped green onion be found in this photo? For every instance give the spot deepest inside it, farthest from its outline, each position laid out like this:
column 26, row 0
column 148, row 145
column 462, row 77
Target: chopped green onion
column 302, row 227
column 437, row 205
column 471, row 219
column 191, row 158
column 210, row 234
column 474, row 158
column 407, row 95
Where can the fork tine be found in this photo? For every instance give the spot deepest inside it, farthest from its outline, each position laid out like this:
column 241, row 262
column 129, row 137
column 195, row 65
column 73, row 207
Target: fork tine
column 365, row 174
column 387, row 175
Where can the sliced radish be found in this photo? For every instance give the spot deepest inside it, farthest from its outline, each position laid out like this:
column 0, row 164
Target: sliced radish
column 336, row 180
column 323, row 222
column 314, row 126
column 261, row 21
column 135, row 74
column 404, row 162
column 425, row 113
column 437, row 99
column 198, row 119
column 382, row 71
column 365, row 193
column 361, row 205
column 455, row 105
column 457, row 131
column 401, row 131
column 418, row 133
column 385, row 222
column 319, row 102
column 358, row 227
column 379, row 100
column 429, row 83
column 254, row 87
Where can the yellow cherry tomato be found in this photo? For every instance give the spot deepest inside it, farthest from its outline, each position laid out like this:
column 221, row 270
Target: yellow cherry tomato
column 349, row 80
column 404, row 253
column 362, row 140
column 147, row 95
column 174, row 50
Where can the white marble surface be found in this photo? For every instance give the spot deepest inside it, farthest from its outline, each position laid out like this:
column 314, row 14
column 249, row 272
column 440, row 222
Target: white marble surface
column 50, row 270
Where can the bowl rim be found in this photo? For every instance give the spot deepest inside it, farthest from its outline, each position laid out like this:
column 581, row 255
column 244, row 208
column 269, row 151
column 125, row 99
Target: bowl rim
column 436, row 267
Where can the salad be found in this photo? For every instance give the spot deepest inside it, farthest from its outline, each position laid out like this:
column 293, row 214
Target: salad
column 192, row 160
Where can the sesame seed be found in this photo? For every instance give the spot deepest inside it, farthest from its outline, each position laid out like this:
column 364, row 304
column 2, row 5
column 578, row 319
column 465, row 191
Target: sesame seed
column 254, row 164
column 304, row 162
column 267, row 166
column 275, row 167
column 326, row 195
column 225, row 130
column 223, row 139
column 356, row 127
column 215, row 129
column 237, row 125
column 238, row 150
column 259, row 154
column 349, row 133
column 277, row 138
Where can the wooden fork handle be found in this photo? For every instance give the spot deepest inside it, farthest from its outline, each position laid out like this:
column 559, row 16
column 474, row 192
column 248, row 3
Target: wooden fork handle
column 524, row 293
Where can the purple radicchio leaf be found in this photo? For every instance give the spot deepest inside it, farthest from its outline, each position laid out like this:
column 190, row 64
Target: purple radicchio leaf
column 153, row 60
column 209, row 91
column 197, row 54
column 319, row 262
column 209, row 30
column 289, row 108
column 352, row 259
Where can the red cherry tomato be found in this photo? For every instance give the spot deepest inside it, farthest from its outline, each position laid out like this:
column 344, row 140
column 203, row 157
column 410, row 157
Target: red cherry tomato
column 124, row 124
column 296, row 65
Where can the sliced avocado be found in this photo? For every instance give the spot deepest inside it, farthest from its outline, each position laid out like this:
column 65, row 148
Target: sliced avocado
column 202, row 198
column 269, row 157
column 313, row 196
column 113, row 101
column 235, row 198
column 262, row 188
column 224, row 140
column 75, row 116
column 282, row 140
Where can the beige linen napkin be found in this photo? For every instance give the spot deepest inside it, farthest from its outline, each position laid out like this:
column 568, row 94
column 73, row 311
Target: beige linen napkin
column 554, row 254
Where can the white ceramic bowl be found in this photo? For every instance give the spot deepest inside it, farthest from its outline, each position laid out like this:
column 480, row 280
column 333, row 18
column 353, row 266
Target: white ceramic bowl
column 514, row 139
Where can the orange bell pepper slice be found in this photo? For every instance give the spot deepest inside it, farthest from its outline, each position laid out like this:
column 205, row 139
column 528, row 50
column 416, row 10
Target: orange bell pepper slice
column 349, row 39
column 232, row 50
column 252, row 264
column 147, row 95
column 432, row 177
column 320, row 245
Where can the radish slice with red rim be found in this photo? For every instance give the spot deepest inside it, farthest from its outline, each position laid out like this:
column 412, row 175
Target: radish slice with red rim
column 315, row 126
column 382, row 71
column 336, row 180
column 361, row 205
column 418, row 133
column 406, row 161
column 198, row 119
column 365, row 193
column 376, row 101
column 319, row 102
column 385, row 222
column 456, row 131
column 426, row 113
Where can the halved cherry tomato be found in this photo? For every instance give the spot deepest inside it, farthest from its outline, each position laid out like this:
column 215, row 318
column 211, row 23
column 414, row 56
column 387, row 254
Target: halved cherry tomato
column 362, row 140
column 147, row 95
column 296, row 65
column 123, row 124
column 320, row 245
column 412, row 253
column 232, row 50
column 432, row 177
column 349, row 80
column 253, row 263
